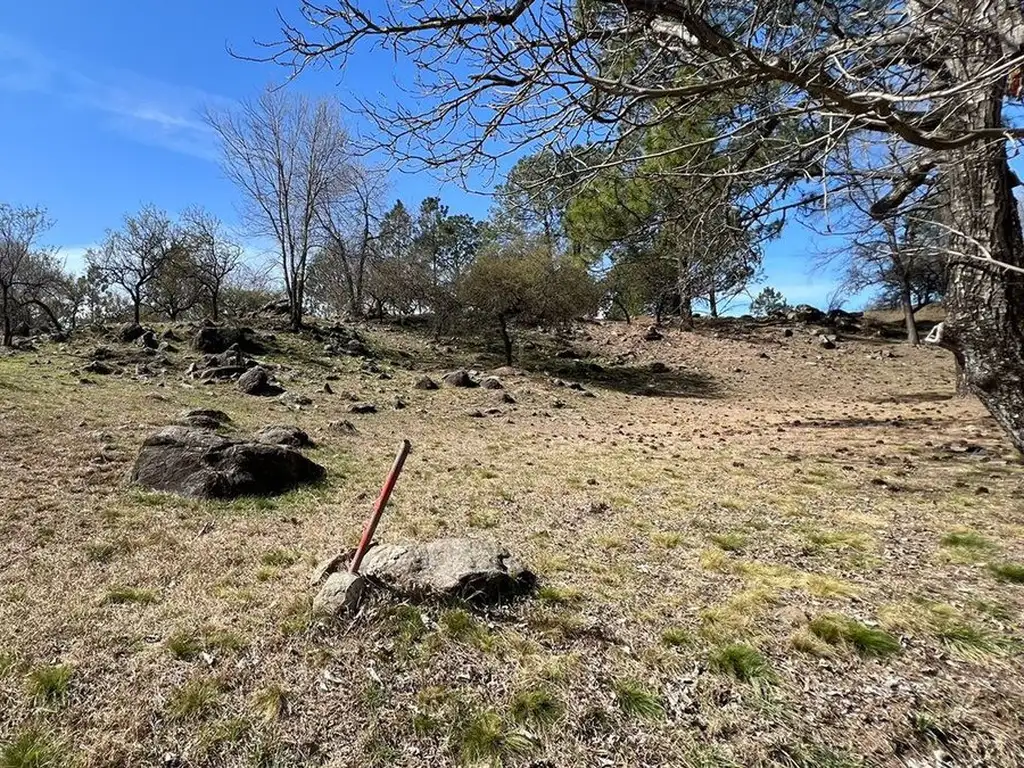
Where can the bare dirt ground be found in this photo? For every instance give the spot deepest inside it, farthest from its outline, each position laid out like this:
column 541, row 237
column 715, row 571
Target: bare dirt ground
column 753, row 551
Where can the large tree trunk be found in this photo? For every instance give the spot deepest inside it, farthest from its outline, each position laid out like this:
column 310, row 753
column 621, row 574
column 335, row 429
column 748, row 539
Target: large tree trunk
column 908, row 314
column 985, row 302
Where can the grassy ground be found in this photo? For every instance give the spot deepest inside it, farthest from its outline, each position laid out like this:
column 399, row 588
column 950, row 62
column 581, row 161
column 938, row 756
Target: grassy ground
column 755, row 553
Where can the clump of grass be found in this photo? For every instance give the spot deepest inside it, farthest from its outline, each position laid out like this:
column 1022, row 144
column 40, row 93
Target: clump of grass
column 742, row 661
column 279, row 558
column 736, row 616
column 33, row 747
column 966, row 540
column 49, row 684
column 462, row 626
column 271, row 702
column 487, row 737
column 125, row 595
column 730, row 542
column 970, row 641
column 186, row 645
column 676, row 637
column 667, row 539
column 100, row 551
column 559, row 595
column 838, row 630
column 537, row 706
column 636, row 700
column 1012, row 573
column 195, row 700
column 298, row 616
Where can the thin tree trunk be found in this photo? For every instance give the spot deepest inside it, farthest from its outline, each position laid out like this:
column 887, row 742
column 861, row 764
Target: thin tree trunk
column 908, row 314
column 4, row 306
column 214, row 304
column 685, row 291
column 622, row 306
column 506, row 340
column 712, row 303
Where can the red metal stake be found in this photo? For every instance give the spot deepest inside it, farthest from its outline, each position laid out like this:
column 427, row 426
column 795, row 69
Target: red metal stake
column 378, row 507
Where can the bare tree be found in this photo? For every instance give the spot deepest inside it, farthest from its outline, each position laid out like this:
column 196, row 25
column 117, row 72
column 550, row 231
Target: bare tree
column 20, row 229
column 286, row 154
column 931, row 74
column 131, row 258
column 215, row 254
column 349, row 223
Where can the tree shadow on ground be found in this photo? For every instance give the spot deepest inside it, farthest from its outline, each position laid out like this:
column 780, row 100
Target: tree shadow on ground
column 866, row 421
column 913, row 398
column 648, row 380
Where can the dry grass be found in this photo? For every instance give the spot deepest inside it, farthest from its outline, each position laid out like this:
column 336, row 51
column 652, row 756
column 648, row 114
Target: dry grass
column 704, row 538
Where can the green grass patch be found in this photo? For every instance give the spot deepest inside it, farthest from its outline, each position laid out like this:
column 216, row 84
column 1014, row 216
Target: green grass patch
column 33, row 747
column 838, row 630
column 730, row 542
column 271, row 702
column 553, row 595
column 637, row 701
column 127, row 595
column 743, row 662
column 460, row 625
column 1011, row 573
column 966, row 540
column 196, row 700
column 488, row 738
column 676, row 637
column 50, row 684
column 279, row 558
column 538, row 707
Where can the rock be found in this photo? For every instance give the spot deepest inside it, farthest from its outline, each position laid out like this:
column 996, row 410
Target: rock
column 459, row 378
column 425, row 382
column 232, row 356
column 475, row 413
column 149, row 340
column 203, row 418
column 339, row 594
column 399, row 403
column 788, row 333
column 129, row 332
column 492, row 382
column 805, row 313
column 653, row 334
column 212, row 338
column 326, row 389
column 827, row 342
column 284, row 434
column 659, row 367
column 473, row 569
column 199, row 464
column 294, row 400
column 507, row 398
column 102, row 353
column 220, row 372
column 256, row 381
column 277, row 307
column 169, row 335
column 99, row 368
column 362, row 408
column 344, row 426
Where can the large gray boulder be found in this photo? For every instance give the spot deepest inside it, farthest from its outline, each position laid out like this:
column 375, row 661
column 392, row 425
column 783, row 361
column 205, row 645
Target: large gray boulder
column 256, row 381
column 200, row 464
column 473, row 569
column 459, row 378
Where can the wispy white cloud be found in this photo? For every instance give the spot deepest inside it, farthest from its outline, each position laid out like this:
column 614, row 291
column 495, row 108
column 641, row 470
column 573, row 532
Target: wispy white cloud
column 139, row 108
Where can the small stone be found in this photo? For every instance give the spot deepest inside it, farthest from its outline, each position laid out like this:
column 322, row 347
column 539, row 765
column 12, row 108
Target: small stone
column 507, row 398
column 344, row 426
column 425, row 382
column 362, row 408
column 653, row 334
column 339, row 594
column 399, row 403
column 475, row 413
column 492, row 382
column 327, row 389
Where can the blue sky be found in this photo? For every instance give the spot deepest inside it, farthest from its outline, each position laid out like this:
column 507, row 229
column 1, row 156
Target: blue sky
column 100, row 107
